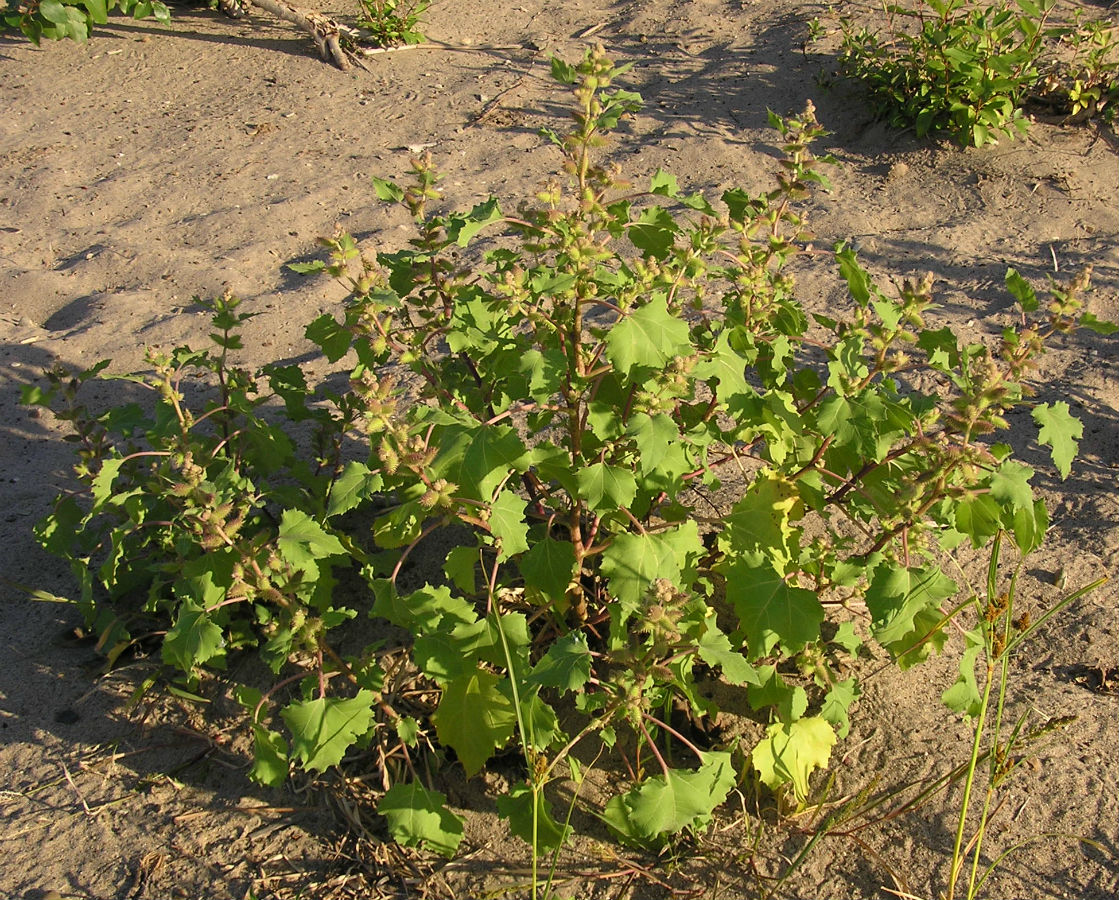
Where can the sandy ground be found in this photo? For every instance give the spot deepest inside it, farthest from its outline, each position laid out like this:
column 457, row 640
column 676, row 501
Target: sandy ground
column 155, row 164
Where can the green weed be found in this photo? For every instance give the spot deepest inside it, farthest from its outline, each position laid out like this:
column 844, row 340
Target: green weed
column 575, row 402
column 968, row 69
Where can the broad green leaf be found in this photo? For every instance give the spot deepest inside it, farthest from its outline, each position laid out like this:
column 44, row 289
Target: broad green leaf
column 896, row 595
column 195, row 637
column 758, row 529
column 386, row 190
column 546, row 834
column 1010, row 485
column 1022, row 291
column 418, row 817
column 1029, row 526
column 650, row 337
column 1099, row 326
column 424, row 610
column 507, row 525
column 725, row 366
column 493, row 451
column 355, row 484
column 101, row 487
column 548, row 568
column 770, row 689
column 740, row 205
column 663, row 183
column 654, row 436
column 1061, row 431
column 979, row 517
column 846, row 638
column 270, row 757
column 461, row 566
column 963, row 696
column 715, row 649
column 563, row 72
column 408, row 730
column 461, row 229
column 791, row 751
column 859, row 285
column 566, row 666
column 445, row 655
column 474, row 718
column 333, row 339
column 541, row 724
column 323, row 730
column 606, row 488
column 653, row 232
column 304, row 543
column 307, row 268
column 837, row 704
column 665, row 805
column 942, row 349
column 633, row 562
column 770, row 612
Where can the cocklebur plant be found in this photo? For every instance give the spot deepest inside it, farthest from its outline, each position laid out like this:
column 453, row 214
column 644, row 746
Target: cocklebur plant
column 968, row 69
column 576, row 402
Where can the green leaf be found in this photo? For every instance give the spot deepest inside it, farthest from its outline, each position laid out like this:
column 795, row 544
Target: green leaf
column 789, row 701
column 725, row 366
column 1099, row 326
column 548, row 568
column 979, row 517
column 195, row 637
column 563, row 72
column 1029, row 526
column 1061, row 431
column 859, row 285
column 303, row 542
column 323, row 730
column 654, row 436
column 424, row 610
column 963, row 696
column 942, row 349
column 101, row 487
column 791, row 751
column 386, row 190
column 715, row 649
column 461, row 229
column 461, row 566
column 474, row 718
column 1010, row 485
column 517, row 808
column 837, row 704
column 633, row 562
column 653, row 232
column 770, row 612
column 663, row 183
column 417, row 817
column 649, row 337
column 896, row 595
column 270, row 757
column 446, row 655
column 333, row 339
column 606, row 488
column 566, row 666
column 493, row 451
column 758, row 528
column 507, row 525
column 355, row 484
column 667, row 804
column 307, row 268
column 1022, row 291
